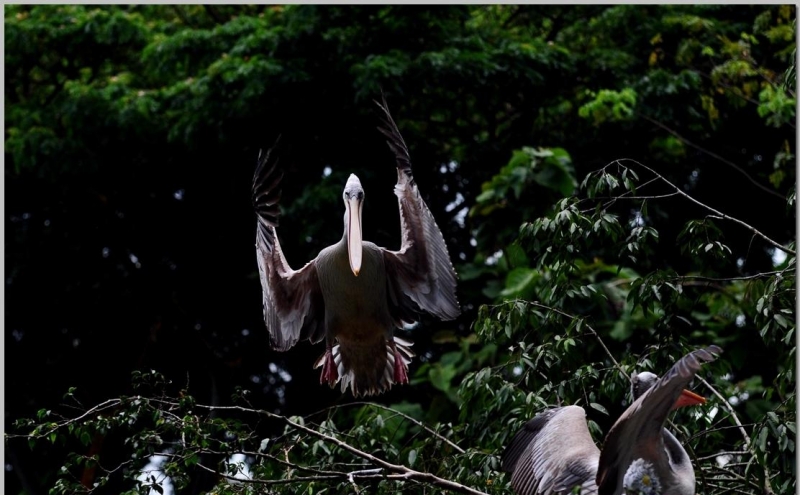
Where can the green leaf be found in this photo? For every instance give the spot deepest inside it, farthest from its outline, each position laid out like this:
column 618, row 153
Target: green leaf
column 598, row 407
column 518, row 281
column 783, row 322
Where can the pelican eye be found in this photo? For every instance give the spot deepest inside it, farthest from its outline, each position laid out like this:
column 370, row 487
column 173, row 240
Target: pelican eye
column 360, row 195
column 646, row 481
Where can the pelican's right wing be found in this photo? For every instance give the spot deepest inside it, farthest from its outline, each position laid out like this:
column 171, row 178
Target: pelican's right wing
column 640, row 426
column 293, row 304
column 552, row 454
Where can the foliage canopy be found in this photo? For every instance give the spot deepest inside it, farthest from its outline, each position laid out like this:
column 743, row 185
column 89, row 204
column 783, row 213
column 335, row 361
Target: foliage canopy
column 612, row 196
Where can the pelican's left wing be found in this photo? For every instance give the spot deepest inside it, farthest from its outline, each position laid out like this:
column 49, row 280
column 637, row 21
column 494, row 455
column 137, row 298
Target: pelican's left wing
column 420, row 274
column 292, row 299
column 640, row 425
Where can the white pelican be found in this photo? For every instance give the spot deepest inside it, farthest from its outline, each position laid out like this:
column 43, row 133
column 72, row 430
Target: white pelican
column 354, row 293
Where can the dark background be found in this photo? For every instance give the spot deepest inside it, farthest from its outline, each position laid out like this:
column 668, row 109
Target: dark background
column 132, row 135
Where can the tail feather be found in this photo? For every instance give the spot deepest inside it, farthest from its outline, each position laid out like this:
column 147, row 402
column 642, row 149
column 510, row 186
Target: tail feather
column 369, row 370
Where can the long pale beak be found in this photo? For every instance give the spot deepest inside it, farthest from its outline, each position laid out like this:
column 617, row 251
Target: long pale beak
column 354, row 245
column 688, row 398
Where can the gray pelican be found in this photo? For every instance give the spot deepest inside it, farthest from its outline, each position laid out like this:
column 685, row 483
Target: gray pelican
column 354, row 293
column 554, row 452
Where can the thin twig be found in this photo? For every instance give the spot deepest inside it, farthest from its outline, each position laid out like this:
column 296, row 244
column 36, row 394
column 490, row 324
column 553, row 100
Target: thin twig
column 658, row 196
column 729, row 279
column 747, row 442
column 730, row 409
column 716, row 212
column 98, row 408
column 724, row 452
column 712, row 155
column 397, row 468
column 591, row 330
column 406, row 416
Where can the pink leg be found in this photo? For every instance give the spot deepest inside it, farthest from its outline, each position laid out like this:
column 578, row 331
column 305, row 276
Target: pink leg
column 400, row 368
column 329, row 372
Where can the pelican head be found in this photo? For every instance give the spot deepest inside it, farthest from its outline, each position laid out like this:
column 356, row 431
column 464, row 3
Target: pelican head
column 641, row 479
column 644, row 381
column 353, row 197
column 641, row 383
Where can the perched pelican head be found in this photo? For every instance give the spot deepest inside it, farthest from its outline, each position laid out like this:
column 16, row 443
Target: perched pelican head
column 641, row 479
column 641, row 383
column 644, row 381
column 353, row 196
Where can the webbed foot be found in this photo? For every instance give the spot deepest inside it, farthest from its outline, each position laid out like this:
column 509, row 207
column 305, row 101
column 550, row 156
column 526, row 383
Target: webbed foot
column 330, row 374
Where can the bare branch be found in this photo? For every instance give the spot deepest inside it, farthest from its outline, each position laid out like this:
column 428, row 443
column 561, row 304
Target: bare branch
column 712, row 155
column 724, row 452
column 716, row 212
column 729, row 407
column 728, row 279
column 397, row 468
column 405, row 416
column 111, row 403
column 747, row 442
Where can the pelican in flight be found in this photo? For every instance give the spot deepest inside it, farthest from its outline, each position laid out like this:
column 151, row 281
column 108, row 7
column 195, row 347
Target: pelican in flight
column 354, row 293
column 554, row 452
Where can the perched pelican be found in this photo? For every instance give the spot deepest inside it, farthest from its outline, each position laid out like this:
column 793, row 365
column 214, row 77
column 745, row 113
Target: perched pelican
column 354, row 293
column 554, row 452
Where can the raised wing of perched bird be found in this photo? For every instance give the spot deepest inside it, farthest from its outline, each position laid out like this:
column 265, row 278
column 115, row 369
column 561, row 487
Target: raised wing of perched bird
column 554, row 452
column 354, row 293
column 640, row 433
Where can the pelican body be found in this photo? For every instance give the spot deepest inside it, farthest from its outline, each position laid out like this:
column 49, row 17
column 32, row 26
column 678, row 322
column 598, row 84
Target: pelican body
column 554, row 452
column 354, row 293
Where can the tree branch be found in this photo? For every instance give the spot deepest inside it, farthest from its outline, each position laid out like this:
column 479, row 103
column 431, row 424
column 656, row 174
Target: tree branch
column 403, row 471
column 406, row 416
column 747, row 442
column 591, row 330
column 712, row 155
column 716, row 212
column 397, row 468
column 725, row 452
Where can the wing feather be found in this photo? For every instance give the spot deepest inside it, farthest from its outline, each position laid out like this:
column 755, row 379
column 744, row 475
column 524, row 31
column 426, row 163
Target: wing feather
column 643, row 421
column 420, row 274
column 292, row 300
column 552, row 454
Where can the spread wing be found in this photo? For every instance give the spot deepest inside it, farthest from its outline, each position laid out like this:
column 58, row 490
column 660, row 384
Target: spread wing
column 293, row 304
column 552, row 454
column 420, row 274
column 639, row 428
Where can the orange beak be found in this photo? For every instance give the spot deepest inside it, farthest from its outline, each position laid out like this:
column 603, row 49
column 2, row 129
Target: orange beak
column 688, row 398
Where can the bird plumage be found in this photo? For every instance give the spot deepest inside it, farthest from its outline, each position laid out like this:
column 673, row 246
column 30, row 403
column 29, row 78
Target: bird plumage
column 354, row 294
column 554, row 452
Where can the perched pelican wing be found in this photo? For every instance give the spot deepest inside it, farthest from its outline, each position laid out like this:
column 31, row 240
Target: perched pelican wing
column 553, row 453
column 293, row 304
column 420, row 274
column 637, row 433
